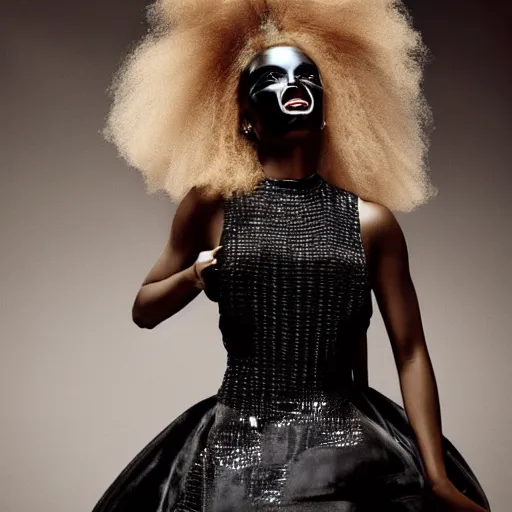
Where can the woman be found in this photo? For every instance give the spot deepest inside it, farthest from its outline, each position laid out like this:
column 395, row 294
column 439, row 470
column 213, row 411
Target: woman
column 282, row 120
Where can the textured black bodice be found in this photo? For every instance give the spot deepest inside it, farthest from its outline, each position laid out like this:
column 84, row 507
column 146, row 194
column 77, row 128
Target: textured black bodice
column 293, row 290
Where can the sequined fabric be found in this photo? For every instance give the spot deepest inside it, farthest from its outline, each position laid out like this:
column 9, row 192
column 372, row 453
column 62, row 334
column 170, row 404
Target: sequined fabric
column 293, row 291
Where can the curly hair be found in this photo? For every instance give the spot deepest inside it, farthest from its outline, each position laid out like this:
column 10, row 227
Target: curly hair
column 175, row 113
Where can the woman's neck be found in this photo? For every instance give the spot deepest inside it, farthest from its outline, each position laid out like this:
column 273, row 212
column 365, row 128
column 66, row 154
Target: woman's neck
column 293, row 160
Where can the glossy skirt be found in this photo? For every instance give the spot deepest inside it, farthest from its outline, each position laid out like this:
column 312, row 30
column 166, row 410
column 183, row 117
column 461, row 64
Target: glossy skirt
column 353, row 454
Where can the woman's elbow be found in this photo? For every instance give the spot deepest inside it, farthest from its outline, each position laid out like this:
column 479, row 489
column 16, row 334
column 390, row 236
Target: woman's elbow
column 140, row 321
column 140, row 318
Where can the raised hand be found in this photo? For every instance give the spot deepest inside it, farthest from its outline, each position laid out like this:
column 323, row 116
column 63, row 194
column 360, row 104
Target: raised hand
column 205, row 260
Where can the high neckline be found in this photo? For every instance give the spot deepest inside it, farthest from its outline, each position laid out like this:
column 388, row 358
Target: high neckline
column 302, row 183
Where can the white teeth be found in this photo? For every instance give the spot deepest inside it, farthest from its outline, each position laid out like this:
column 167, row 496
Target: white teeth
column 296, row 102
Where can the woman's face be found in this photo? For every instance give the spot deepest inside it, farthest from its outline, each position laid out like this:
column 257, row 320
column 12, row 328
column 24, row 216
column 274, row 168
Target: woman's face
column 283, row 93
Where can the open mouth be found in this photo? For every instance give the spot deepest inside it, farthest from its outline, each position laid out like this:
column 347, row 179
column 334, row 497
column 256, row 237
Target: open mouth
column 295, row 99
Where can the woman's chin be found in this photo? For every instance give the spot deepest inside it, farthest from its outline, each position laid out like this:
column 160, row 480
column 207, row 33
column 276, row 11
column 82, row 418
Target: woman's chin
column 300, row 135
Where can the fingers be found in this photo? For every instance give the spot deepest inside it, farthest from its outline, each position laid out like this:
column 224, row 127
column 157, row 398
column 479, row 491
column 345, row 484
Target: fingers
column 214, row 253
column 208, row 256
column 204, row 256
column 216, row 250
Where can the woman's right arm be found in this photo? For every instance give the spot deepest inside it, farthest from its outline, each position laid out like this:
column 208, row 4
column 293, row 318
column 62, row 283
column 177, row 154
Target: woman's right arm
column 173, row 281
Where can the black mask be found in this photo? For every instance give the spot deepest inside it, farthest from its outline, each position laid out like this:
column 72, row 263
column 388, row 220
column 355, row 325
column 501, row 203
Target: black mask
column 282, row 92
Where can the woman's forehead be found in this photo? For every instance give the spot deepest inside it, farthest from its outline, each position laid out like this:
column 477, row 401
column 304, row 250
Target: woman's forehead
column 287, row 57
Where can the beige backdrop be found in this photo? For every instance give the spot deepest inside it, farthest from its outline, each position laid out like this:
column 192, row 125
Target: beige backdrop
column 83, row 389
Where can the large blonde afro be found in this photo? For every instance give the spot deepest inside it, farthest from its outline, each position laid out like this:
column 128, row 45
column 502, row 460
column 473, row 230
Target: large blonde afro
column 175, row 113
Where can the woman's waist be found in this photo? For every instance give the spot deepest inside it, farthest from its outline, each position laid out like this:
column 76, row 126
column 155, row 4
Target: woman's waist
column 274, row 372
column 284, row 394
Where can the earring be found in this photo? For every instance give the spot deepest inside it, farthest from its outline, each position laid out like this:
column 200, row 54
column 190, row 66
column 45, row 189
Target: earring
column 246, row 127
column 324, row 124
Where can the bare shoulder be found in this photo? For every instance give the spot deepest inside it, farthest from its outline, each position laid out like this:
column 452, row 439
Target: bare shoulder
column 376, row 215
column 195, row 210
column 197, row 203
column 378, row 222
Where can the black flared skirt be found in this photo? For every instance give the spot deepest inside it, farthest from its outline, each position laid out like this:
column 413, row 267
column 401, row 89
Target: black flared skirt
column 188, row 468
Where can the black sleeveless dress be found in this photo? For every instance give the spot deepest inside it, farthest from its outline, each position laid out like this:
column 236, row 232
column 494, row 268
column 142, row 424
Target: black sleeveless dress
column 287, row 429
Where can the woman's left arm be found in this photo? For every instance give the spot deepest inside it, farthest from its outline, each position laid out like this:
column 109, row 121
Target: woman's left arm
column 398, row 304
column 396, row 297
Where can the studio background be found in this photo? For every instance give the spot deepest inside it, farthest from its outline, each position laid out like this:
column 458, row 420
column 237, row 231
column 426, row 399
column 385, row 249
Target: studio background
column 83, row 390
